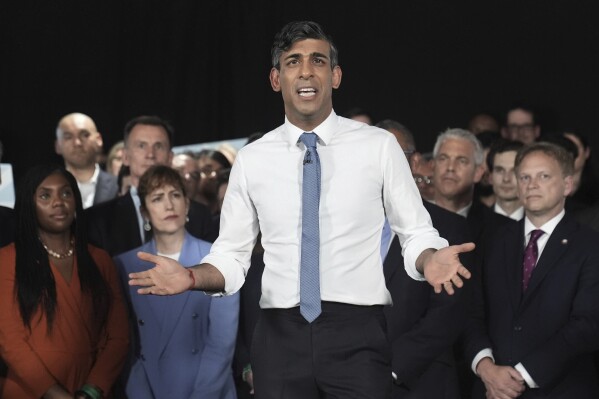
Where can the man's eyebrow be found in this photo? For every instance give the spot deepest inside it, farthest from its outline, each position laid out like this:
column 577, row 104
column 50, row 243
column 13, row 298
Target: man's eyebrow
column 298, row 55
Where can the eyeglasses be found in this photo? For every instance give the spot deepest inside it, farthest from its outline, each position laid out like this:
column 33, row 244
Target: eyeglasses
column 409, row 153
column 422, row 180
column 208, row 174
column 191, row 176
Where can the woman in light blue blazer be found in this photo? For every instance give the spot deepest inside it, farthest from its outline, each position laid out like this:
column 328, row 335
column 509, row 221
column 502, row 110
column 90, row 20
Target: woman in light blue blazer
column 183, row 344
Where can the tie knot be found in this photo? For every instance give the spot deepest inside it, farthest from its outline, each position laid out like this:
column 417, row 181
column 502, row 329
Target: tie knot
column 309, row 139
column 535, row 234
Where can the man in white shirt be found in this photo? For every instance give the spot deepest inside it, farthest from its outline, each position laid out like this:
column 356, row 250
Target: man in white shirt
column 536, row 320
column 500, row 161
column 344, row 351
column 79, row 142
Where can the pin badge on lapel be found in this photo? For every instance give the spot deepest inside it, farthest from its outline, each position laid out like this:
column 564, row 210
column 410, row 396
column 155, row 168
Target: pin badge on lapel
column 564, row 241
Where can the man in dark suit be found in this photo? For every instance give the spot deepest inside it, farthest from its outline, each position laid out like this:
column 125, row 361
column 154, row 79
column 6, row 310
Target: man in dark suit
column 536, row 325
column 423, row 368
column 117, row 225
column 423, row 326
column 79, row 142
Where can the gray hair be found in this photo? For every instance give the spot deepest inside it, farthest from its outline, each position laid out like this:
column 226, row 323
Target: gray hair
column 389, row 124
column 461, row 134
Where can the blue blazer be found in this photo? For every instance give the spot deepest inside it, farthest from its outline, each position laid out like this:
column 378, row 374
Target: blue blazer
column 183, row 344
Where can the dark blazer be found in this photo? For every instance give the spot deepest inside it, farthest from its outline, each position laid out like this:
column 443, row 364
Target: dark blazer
column 107, row 188
column 553, row 328
column 483, row 222
column 113, row 225
column 7, row 226
column 423, row 326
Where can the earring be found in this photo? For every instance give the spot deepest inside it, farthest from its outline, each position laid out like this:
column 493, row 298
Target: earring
column 186, row 218
column 147, row 226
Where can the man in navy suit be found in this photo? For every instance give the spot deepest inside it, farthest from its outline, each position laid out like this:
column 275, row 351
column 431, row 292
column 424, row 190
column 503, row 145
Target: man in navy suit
column 423, row 368
column 79, row 142
column 536, row 323
column 117, row 225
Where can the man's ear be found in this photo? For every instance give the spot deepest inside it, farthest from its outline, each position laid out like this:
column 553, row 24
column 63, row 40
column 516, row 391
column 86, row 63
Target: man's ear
column 569, row 185
column 337, row 77
column 274, row 79
column 478, row 173
column 99, row 141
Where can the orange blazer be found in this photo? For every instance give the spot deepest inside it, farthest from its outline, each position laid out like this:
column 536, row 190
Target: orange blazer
column 74, row 353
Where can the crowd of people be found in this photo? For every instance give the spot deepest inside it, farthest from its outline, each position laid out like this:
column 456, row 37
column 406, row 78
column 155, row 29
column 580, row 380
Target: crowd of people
column 295, row 269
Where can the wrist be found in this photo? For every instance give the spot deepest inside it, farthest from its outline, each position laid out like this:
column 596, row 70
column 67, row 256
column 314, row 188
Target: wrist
column 423, row 259
column 246, row 370
column 484, row 365
column 89, row 391
column 192, row 283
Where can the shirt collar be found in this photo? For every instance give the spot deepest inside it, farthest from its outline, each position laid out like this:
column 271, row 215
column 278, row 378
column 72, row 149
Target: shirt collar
column 548, row 227
column 94, row 178
column 324, row 131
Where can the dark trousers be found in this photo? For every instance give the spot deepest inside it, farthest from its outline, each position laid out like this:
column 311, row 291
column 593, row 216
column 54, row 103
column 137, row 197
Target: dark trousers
column 343, row 354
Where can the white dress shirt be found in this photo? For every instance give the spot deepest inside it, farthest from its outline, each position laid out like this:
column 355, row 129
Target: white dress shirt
column 547, row 228
column 88, row 189
column 517, row 215
column 364, row 175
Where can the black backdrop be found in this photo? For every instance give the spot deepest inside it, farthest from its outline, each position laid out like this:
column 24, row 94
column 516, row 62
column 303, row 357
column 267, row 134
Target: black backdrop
column 204, row 65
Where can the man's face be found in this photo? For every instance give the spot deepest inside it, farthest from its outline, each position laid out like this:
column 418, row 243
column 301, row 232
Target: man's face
column 78, row 141
column 147, row 145
column 521, row 127
column 542, row 187
column 455, row 171
column 188, row 169
column 306, row 82
column 503, row 176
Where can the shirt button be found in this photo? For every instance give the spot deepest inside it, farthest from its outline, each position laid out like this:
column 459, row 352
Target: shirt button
column 141, row 322
column 194, row 316
column 518, row 328
column 194, row 351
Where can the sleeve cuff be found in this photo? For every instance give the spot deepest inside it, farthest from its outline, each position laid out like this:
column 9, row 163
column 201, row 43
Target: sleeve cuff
column 487, row 352
column 529, row 381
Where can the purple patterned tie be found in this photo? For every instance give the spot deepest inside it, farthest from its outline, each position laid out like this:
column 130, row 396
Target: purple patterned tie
column 531, row 253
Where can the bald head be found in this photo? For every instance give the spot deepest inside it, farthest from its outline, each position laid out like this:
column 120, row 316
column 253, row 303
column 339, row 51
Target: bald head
column 78, row 141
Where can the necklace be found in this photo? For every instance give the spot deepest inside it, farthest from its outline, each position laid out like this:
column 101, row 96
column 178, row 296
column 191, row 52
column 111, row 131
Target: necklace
column 57, row 255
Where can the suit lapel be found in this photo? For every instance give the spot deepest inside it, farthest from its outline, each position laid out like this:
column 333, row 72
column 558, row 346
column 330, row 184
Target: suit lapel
column 555, row 248
column 126, row 223
column 175, row 304
column 514, row 252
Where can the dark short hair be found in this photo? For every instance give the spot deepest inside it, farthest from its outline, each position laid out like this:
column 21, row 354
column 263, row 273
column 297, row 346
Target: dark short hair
column 296, row 31
column 499, row 147
column 388, row 124
column 157, row 176
column 151, row 120
column 524, row 107
column 216, row 156
column 560, row 154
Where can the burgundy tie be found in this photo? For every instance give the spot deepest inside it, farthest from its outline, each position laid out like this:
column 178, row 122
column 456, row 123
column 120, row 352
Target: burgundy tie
column 531, row 253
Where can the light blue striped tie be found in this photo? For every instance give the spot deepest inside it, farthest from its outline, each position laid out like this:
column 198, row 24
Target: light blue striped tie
column 309, row 272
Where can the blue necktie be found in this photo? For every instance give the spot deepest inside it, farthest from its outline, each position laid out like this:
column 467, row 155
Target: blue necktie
column 309, row 269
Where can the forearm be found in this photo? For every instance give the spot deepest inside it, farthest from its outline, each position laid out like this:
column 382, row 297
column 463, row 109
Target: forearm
column 207, row 278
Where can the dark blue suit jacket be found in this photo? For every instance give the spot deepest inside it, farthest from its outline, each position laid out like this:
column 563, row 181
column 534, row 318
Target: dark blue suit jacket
column 422, row 326
column 183, row 344
column 553, row 328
